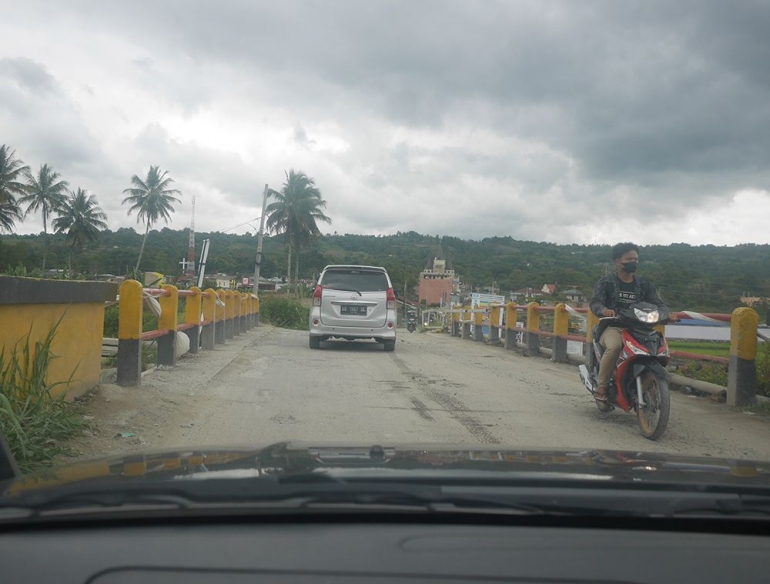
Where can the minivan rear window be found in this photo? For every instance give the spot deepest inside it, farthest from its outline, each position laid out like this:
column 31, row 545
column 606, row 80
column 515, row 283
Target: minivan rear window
column 360, row 280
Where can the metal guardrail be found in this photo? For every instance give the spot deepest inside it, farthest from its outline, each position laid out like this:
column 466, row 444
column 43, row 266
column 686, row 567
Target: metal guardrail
column 210, row 317
column 744, row 332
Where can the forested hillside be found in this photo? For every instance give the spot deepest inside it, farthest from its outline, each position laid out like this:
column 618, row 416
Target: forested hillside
column 689, row 277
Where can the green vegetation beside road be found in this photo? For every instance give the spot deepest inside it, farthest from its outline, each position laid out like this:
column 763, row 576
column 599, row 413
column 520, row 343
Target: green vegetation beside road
column 35, row 423
column 714, row 349
column 284, row 312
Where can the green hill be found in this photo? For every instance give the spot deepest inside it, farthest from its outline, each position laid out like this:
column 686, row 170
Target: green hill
column 705, row 278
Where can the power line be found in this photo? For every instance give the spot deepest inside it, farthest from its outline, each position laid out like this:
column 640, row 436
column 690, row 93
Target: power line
column 240, row 225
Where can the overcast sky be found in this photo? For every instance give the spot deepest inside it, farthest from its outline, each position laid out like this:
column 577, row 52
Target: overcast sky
column 550, row 121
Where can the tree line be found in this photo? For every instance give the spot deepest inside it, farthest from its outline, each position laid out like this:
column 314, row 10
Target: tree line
column 77, row 217
column 703, row 278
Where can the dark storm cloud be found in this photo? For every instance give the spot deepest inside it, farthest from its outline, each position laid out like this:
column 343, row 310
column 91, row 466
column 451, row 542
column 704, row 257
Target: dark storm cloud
column 636, row 89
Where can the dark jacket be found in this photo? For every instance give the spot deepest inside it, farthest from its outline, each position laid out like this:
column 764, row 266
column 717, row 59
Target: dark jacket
column 607, row 290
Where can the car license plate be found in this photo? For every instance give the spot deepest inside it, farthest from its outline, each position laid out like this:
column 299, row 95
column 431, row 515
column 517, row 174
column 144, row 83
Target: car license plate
column 353, row 309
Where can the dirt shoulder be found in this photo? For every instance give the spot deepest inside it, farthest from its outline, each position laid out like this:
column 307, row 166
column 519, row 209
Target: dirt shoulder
column 133, row 419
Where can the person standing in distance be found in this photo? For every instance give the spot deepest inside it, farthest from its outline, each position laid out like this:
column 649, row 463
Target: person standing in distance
column 615, row 292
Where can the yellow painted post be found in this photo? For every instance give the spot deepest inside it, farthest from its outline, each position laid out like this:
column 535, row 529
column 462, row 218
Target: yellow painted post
column 244, row 311
column 236, row 313
column 478, row 325
column 592, row 321
column 209, row 316
column 221, row 314
column 130, row 334
column 560, row 329
column 169, row 305
column 494, row 323
column 229, row 314
column 192, row 316
column 455, row 321
column 251, row 311
column 466, row 323
column 742, row 366
column 256, row 311
column 533, row 328
column 511, row 318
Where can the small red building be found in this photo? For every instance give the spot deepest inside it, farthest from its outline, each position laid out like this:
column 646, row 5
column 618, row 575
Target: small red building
column 437, row 280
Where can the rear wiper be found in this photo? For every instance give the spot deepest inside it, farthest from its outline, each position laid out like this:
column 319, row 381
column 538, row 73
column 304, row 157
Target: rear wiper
column 343, row 289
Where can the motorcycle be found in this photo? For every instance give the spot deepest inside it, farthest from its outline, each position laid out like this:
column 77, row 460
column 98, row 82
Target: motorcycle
column 639, row 381
column 411, row 322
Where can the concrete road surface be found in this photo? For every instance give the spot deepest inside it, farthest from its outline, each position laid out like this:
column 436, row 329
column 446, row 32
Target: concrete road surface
column 268, row 386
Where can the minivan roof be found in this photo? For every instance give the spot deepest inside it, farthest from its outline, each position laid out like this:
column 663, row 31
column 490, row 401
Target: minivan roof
column 354, row 267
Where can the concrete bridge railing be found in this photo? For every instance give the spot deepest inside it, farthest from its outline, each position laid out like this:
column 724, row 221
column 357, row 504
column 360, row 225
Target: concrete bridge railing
column 502, row 319
column 210, row 318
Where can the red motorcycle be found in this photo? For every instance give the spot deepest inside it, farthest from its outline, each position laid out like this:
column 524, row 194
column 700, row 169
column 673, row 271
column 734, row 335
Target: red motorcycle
column 639, row 381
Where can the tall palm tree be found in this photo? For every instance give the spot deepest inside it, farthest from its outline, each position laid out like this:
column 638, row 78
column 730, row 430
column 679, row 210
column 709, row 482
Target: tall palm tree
column 152, row 200
column 81, row 218
column 11, row 171
column 46, row 193
column 295, row 213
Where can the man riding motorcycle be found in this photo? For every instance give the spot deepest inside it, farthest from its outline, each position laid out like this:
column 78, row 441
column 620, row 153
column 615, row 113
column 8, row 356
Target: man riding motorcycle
column 615, row 292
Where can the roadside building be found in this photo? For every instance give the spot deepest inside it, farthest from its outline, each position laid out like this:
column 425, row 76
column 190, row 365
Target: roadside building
column 437, row 280
column 524, row 293
column 574, row 295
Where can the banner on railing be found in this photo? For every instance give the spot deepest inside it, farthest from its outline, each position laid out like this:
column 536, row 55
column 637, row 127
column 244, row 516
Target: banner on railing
column 484, row 301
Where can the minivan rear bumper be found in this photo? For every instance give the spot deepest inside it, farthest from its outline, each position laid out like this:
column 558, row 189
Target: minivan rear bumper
column 357, row 332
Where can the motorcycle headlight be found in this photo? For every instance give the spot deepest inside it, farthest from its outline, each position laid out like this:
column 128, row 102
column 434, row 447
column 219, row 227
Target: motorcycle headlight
column 648, row 317
column 636, row 350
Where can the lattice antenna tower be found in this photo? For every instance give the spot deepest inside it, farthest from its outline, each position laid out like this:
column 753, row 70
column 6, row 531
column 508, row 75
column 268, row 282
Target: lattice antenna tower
column 191, row 243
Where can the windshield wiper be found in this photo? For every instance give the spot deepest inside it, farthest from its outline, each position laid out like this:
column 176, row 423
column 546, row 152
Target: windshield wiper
column 302, row 491
column 314, row 491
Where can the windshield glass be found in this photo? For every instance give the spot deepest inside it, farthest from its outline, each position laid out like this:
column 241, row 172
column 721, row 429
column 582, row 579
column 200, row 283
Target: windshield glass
column 359, row 280
column 176, row 179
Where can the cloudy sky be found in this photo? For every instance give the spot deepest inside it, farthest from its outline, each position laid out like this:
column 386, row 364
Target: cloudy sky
column 549, row 121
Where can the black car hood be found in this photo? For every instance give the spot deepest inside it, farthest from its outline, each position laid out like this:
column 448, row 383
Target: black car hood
column 429, row 462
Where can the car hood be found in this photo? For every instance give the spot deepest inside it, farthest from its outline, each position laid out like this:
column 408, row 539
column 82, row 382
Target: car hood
column 431, row 462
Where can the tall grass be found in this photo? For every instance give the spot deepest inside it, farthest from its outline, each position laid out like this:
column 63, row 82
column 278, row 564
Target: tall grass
column 33, row 420
column 283, row 312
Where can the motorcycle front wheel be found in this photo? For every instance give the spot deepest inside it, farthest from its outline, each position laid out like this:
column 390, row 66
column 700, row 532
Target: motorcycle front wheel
column 653, row 417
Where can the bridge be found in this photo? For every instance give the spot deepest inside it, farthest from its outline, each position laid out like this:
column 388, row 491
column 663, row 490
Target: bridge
column 266, row 385
column 249, row 384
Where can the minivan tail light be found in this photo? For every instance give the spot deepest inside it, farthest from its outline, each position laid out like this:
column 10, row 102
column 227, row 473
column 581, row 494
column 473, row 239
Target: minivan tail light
column 317, row 295
column 391, row 299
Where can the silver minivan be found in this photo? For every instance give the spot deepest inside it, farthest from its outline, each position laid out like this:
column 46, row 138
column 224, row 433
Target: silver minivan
column 353, row 302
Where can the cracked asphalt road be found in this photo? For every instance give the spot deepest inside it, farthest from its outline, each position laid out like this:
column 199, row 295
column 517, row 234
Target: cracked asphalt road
column 268, row 386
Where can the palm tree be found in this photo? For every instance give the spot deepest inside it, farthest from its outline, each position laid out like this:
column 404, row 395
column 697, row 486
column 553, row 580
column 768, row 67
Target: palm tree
column 81, row 218
column 11, row 170
column 44, row 192
column 295, row 213
column 152, row 199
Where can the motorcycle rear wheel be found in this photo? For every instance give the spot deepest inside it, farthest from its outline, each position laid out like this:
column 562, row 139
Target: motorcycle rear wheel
column 653, row 417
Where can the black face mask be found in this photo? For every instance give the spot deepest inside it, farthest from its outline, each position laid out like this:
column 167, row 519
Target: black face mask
column 631, row 266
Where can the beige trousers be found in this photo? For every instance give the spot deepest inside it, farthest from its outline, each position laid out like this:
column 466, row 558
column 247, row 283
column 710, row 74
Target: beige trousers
column 612, row 341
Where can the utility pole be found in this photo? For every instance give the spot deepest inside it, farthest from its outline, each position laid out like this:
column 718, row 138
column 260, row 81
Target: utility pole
column 405, row 305
column 258, row 259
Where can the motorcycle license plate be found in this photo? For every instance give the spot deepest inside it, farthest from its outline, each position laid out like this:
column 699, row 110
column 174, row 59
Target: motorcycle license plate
column 353, row 310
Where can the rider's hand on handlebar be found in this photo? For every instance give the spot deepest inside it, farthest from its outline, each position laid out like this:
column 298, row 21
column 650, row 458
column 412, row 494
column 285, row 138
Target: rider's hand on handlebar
column 609, row 313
